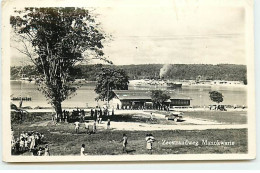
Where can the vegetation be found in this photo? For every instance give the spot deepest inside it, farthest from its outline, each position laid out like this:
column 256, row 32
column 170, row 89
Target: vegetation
column 216, row 96
column 62, row 140
column 228, row 72
column 159, row 97
column 60, row 38
column 110, row 79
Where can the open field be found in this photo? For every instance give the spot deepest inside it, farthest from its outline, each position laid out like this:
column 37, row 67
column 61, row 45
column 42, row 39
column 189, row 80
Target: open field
column 229, row 117
column 220, row 116
column 63, row 140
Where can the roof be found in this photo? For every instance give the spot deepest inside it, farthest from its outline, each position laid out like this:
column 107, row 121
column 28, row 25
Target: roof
column 145, row 95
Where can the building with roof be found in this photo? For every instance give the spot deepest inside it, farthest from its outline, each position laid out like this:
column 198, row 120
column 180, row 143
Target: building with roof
column 136, row 99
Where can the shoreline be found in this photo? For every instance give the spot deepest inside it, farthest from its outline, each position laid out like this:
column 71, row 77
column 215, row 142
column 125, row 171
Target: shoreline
column 137, row 111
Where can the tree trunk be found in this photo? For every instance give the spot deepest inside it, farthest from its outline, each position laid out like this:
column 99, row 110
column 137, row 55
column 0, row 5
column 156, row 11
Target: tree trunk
column 58, row 110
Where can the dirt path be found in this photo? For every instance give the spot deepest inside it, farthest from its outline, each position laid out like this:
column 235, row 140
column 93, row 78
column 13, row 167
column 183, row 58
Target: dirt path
column 131, row 126
column 196, row 121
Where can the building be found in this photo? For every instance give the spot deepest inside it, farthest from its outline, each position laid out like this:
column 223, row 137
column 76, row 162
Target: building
column 136, row 99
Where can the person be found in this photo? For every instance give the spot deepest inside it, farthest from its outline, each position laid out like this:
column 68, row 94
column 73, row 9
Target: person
column 99, row 116
column 108, row 124
column 64, row 115
column 40, row 151
column 26, row 144
column 82, row 150
column 35, row 151
column 113, row 112
column 87, row 127
column 149, row 142
column 96, row 114
column 124, row 140
column 94, row 127
column 91, row 113
column 22, row 147
column 32, row 142
column 151, row 116
column 76, row 127
column 46, row 151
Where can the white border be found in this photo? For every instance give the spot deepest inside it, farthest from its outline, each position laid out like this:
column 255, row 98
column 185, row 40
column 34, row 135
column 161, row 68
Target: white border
column 7, row 7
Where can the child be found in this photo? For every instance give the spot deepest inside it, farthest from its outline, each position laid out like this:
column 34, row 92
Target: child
column 108, row 124
column 149, row 142
column 82, row 150
column 77, row 126
column 40, row 152
column 124, row 140
column 46, row 151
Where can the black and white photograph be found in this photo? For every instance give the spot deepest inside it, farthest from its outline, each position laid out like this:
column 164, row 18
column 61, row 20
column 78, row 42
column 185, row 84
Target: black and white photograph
column 128, row 80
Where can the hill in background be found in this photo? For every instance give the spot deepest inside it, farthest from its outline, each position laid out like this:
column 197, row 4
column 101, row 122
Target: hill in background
column 230, row 72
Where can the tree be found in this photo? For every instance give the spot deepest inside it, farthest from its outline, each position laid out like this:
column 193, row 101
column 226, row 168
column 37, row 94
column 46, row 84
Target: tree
column 216, row 96
column 108, row 80
column 60, row 38
column 159, row 97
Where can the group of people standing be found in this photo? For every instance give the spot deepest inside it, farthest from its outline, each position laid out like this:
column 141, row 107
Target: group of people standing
column 99, row 113
column 29, row 142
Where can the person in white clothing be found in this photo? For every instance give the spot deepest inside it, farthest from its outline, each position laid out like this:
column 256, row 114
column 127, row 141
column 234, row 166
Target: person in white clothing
column 82, row 150
column 77, row 126
column 149, row 143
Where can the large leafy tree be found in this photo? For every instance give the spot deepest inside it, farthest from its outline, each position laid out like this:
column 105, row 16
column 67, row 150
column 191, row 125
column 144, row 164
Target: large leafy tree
column 59, row 38
column 159, row 97
column 110, row 79
column 216, row 96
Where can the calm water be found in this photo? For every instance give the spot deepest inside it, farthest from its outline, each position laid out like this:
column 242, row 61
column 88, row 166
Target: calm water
column 85, row 96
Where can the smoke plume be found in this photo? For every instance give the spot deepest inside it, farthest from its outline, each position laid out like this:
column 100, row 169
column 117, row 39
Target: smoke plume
column 164, row 70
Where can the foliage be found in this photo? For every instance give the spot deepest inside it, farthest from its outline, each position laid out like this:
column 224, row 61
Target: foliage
column 159, row 97
column 110, row 79
column 216, row 96
column 60, row 38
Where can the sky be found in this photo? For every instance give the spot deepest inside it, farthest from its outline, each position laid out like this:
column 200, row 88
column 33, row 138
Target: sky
column 171, row 32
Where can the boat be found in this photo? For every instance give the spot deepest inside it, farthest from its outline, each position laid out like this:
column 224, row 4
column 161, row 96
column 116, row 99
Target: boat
column 157, row 84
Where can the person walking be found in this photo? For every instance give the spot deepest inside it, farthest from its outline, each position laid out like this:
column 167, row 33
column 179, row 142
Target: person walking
column 151, row 116
column 82, row 150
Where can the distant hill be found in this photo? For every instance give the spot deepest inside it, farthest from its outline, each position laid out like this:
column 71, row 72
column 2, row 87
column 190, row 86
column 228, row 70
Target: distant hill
column 229, row 72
